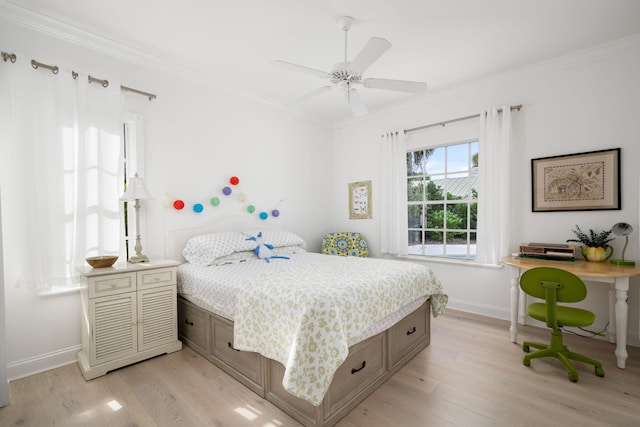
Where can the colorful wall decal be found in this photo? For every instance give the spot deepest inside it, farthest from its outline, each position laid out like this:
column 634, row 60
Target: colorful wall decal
column 199, row 207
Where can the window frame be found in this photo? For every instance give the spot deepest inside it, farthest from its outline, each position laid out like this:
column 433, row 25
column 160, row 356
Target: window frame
column 469, row 200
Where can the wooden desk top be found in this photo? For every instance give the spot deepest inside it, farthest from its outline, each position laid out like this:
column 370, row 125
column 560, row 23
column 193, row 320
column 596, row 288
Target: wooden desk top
column 580, row 268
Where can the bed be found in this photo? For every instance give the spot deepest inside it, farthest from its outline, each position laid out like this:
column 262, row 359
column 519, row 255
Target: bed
column 313, row 334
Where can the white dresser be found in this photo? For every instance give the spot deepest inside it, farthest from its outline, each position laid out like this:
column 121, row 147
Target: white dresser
column 129, row 314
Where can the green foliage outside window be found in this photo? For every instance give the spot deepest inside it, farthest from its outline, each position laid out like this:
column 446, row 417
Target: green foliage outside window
column 433, row 211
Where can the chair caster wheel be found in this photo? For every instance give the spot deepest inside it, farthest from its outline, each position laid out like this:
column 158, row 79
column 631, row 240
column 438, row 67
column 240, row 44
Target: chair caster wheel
column 599, row 371
column 526, row 362
column 526, row 348
column 573, row 377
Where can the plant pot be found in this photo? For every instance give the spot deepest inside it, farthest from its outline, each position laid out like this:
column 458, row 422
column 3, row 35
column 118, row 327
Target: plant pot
column 594, row 254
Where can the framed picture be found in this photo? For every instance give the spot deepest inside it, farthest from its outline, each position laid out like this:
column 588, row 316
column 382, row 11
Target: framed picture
column 576, row 182
column 360, row 200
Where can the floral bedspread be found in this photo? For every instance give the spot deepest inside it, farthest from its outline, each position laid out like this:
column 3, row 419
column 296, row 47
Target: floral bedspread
column 304, row 317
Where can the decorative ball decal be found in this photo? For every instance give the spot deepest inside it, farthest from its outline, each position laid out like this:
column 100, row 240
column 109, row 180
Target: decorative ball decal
column 198, row 207
column 167, row 201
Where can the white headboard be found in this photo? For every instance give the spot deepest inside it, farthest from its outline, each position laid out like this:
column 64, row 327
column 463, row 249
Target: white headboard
column 176, row 239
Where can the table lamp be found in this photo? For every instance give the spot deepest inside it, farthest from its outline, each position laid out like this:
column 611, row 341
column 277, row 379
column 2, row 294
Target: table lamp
column 622, row 229
column 135, row 190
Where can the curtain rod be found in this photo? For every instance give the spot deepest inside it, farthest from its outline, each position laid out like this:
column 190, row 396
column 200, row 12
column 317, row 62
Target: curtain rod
column 513, row 107
column 54, row 69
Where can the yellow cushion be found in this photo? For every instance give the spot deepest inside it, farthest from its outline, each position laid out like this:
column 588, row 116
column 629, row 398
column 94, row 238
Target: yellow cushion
column 345, row 244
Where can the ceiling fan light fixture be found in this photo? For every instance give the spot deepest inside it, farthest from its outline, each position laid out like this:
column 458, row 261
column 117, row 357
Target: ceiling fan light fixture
column 346, row 74
column 344, row 22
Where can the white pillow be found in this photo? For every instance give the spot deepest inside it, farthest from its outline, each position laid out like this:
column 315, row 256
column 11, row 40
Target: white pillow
column 205, row 249
column 285, row 250
column 235, row 258
column 277, row 238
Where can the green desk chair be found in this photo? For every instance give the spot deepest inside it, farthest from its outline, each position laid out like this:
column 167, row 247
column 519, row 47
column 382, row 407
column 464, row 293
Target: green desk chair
column 555, row 285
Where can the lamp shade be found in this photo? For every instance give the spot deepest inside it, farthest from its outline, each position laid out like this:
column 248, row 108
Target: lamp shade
column 135, row 189
column 622, row 229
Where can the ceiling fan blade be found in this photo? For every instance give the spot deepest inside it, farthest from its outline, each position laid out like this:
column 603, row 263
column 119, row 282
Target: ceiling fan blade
column 355, row 103
column 311, row 94
column 398, row 85
column 369, row 54
column 301, row 69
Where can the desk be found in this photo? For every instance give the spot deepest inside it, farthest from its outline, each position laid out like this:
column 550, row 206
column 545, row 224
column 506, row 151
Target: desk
column 603, row 272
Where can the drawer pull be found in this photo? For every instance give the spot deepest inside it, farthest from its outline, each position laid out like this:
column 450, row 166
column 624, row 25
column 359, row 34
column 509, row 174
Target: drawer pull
column 188, row 322
column 354, row 370
column 231, row 346
column 411, row 331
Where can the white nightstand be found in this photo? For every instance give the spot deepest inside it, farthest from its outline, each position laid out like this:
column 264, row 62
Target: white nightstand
column 129, row 314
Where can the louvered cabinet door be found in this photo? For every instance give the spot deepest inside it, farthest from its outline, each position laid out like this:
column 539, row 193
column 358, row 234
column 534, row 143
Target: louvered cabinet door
column 129, row 314
column 113, row 327
column 157, row 314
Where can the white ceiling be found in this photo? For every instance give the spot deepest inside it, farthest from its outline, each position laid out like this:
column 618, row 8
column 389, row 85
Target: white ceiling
column 443, row 42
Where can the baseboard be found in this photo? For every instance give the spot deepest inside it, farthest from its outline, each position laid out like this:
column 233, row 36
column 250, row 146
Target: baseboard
column 505, row 314
column 44, row 362
column 481, row 309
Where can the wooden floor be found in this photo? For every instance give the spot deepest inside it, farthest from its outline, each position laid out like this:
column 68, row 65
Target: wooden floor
column 470, row 375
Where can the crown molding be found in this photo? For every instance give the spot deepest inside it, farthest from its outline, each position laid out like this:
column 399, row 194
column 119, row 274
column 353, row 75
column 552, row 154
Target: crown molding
column 24, row 17
column 37, row 22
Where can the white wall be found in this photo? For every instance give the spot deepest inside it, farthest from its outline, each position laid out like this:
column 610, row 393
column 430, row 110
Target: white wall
column 196, row 138
column 4, row 383
column 583, row 102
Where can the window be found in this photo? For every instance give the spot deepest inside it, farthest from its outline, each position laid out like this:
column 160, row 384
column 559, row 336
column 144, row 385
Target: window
column 132, row 151
column 442, row 184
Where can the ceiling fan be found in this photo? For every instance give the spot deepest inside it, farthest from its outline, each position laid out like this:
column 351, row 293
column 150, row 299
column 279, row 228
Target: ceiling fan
column 347, row 74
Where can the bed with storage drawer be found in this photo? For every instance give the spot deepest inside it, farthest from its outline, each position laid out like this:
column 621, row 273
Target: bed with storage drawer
column 313, row 334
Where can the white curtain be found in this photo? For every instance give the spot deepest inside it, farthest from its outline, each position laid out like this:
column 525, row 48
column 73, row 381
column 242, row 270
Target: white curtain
column 494, row 186
column 60, row 161
column 393, row 194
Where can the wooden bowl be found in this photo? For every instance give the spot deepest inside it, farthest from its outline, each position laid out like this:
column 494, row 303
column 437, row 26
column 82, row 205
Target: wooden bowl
column 102, row 261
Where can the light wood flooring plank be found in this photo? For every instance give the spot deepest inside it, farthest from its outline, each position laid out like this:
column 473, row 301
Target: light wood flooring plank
column 470, row 375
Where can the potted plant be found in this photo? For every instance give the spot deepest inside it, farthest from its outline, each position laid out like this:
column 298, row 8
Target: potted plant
column 594, row 245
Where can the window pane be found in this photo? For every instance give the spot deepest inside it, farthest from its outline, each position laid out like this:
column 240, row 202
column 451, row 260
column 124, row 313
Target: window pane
column 415, row 214
column 474, row 154
column 442, row 200
column 435, row 162
column 457, row 237
column 435, row 216
column 456, row 216
column 415, row 238
column 415, row 189
column 457, row 186
column 435, row 190
column 433, row 247
column 473, row 220
column 414, row 163
column 415, row 243
column 458, row 158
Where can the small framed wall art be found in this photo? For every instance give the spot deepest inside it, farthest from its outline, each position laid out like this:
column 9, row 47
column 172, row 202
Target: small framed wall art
column 360, row 200
column 576, row 182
